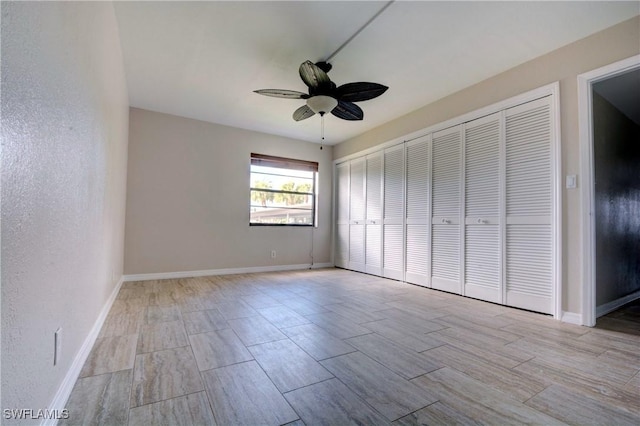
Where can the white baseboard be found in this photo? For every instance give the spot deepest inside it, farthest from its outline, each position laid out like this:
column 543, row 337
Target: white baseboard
column 615, row 304
column 572, row 318
column 64, row 391
column 228, row 271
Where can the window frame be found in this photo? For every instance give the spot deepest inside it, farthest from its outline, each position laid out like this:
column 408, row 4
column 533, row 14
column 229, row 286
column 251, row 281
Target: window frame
column 283, row 163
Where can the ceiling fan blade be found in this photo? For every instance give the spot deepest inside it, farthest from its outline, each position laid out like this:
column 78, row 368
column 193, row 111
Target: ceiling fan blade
column 314, row 77
column 361, row 91
column 303, row 112
column 348, row 111
column 282, row 93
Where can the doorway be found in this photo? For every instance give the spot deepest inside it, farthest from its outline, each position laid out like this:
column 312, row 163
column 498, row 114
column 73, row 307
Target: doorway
column 610, row 144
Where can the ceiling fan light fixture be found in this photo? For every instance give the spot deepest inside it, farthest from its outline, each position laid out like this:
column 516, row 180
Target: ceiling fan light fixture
column 322, row 104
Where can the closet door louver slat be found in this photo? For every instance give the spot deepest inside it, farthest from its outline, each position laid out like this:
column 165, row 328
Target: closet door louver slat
column 342, row 246
column 418, row 184
column 529, row 241
column 482, row 259
column 418, row 254
column 357, row 215
column 373, row 232
column 341, row 255
column 393, row 222
column 445, row 224
column 373, row 254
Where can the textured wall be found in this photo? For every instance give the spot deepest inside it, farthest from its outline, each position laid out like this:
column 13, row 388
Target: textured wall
column 64, row 153
column 188, row 198
column 563, row 65
column 616, row 148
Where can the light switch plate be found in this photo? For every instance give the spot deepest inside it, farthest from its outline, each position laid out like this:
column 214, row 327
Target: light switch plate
column 571, row 181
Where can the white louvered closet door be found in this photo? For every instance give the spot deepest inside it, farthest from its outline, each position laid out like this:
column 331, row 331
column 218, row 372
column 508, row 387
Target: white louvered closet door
column 418, row 184
column 445, row 221
column 529, row 204
column 393, row 213
column 373, row 223
column 482, row 201
column 341, row 252
column 357, row 211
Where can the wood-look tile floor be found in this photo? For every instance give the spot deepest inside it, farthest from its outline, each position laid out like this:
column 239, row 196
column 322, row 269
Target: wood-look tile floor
column 337, row 347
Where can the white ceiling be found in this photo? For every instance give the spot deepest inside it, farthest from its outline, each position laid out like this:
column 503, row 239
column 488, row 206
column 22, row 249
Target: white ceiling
column 203, row 60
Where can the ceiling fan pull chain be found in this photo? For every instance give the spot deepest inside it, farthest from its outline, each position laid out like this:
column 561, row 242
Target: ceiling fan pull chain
column 321, row 129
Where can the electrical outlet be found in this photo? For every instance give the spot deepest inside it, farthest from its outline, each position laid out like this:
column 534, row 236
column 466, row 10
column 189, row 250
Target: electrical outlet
column 273, row 254
column 57, row 345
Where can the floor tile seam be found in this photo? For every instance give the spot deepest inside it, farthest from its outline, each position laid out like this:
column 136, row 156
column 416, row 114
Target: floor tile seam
column 592, row 395
column 266, row 341
column 523, row 330
column 239, row 318
column 533, row 357
column 103, row 374
column 107, row 372
column 261, row 368
column 338, row 337
column 209, row 331
column 477, row 328
column 308, row 354
column 202, row 380
column 275, row 325
column 130, row 395
column 613, row 352
column 163, row 349
column 632, row 377
column 540, row 342
column 553, row 383
column 162, row 322
column 399, row 347
column 426, row 406
column 490, row 362
column 432, row 372
column 527, row 403
column 309, row 385
column 435, row 347
column 281, row 328
column 227, row 365
column 175, row 303
column 204, row 390
column 301, row 348
column 364, row 401
column 375, row 361
column 497, row 390
column 573, row 381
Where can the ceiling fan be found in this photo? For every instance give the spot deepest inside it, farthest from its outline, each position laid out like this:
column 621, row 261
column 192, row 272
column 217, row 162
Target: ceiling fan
column 324, row 96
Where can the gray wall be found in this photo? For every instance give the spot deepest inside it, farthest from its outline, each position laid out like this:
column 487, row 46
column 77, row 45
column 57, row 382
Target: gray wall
column 188, row 198
column 617, row 201
column 64, row 157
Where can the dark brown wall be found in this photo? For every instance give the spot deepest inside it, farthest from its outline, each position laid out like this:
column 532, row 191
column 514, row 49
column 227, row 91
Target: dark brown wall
column 617, row 198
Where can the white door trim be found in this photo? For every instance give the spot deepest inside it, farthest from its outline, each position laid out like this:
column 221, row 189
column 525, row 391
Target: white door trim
column 587, row 219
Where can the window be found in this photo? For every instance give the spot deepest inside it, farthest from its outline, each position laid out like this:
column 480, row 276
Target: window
column 283, row 191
